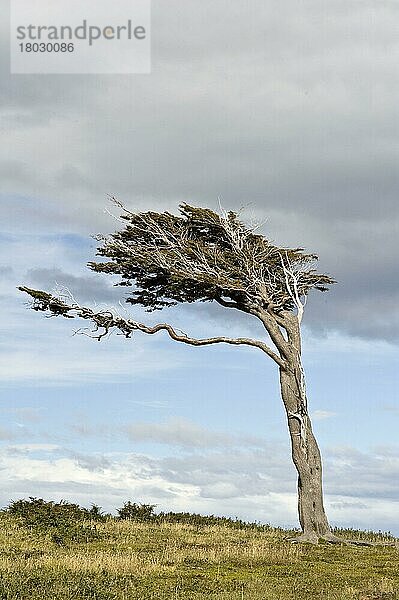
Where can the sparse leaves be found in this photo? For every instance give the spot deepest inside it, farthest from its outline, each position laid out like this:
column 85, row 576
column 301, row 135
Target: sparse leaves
column 203, row 256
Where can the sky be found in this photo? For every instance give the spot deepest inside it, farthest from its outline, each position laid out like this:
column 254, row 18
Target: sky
column 286, row 110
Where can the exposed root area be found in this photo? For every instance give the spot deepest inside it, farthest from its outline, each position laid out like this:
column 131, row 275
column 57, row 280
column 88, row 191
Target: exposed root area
column 310, row 538
column 314, row 538
column 332, row 539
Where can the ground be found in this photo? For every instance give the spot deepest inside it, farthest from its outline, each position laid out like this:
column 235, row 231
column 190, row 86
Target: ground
column 138, row 561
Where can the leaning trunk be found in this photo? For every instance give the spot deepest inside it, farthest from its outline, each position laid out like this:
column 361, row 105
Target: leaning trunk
column 305, row 453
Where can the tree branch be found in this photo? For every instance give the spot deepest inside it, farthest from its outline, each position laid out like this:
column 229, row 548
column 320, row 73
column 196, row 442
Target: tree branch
column 272, row 327
column 230, row 303
column 207, row 341
column 105, row 321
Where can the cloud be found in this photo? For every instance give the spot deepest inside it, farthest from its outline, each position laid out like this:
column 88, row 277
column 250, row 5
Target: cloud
column 5, row 271
column 248, row 123
column 112, row 479
column 242, row 473
column 32, row 447
column 24, row 413
column 342, row 505
column 251, row 484
column 6, row 434
column 391, row 408
column 365, row 475
column 320, row 415
column 210, row 137
column 176, row 432
column 92, row 288
column 183, row 433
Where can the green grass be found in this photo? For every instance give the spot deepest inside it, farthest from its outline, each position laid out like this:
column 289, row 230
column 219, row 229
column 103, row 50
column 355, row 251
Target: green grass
column 175, row 560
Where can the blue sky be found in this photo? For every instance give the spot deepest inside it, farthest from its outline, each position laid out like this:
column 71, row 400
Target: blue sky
column 296, row 120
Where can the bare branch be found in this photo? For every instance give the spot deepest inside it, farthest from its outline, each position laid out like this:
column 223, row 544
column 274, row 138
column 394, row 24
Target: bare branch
column 105, row 321
column 292, row 279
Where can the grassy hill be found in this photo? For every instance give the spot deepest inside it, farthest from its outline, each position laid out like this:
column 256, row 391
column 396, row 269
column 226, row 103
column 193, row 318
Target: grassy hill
column 63, row 556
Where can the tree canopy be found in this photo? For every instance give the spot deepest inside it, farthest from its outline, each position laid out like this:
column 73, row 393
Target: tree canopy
column 201, row 255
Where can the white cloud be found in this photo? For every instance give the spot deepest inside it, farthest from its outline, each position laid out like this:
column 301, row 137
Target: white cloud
column 250, row 484
column 6, row 434
column 32, row 447
column 367, row 513
column 320, row 415
column 183, row 433
column 368, row 476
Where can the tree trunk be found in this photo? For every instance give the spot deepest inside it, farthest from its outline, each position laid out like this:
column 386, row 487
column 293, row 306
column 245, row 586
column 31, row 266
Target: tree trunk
column 305, row 454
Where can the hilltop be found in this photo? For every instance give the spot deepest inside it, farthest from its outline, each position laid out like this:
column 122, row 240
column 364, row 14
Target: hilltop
column 63, row 554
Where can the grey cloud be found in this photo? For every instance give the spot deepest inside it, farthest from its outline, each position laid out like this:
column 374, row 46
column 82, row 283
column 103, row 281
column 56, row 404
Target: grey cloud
column 91, row 288
column 93, row 463
column 363, row 475
column 238, row 473
column 375, row 316
column 5, row 271
column 276, row 106
column 83, row 429
column 24, row 413
column 176, row 432
column 182, row 433
column 391, row 408
column 244, row 146
column 345, row 505
column 348, row 473
column 34, row 100
column 109, row 498
column 7, row 434
column 24, row 449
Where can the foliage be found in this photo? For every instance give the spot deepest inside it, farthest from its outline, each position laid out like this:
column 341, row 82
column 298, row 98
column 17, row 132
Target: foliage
column 145, row 512
column 207, row 520
column 136, row 512
column 95, row 513
column 62, row 521
column 203, row 256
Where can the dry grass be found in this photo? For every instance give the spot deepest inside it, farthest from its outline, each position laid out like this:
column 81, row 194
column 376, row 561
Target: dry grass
column 138, row 561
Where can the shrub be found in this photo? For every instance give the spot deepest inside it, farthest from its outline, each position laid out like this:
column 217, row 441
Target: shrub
column 208, row 520
column 63, row 521
column 136, row 512
column 95, row 513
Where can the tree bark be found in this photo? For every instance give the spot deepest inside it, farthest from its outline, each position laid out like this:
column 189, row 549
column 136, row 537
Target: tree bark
column 305, row 454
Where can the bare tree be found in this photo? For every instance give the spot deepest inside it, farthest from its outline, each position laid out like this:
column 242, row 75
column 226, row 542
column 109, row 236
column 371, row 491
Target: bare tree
column 200, row 255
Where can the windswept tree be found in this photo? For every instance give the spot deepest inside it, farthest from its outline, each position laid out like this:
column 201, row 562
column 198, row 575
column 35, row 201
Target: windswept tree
column 202, row 256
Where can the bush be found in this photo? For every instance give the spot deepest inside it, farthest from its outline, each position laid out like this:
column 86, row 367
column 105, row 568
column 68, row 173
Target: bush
column 63, row 521
column 95, row 513
column 209, row 520
column 136, row 512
